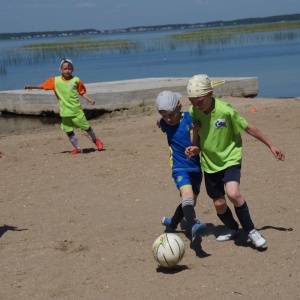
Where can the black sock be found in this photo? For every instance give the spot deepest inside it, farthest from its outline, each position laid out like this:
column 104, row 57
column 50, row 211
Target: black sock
column 189, row 212
column 177, row 217
column 228, row 219
column 243, row 215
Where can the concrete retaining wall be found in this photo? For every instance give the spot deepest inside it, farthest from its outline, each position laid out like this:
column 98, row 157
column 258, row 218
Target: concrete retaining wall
column 119, row 94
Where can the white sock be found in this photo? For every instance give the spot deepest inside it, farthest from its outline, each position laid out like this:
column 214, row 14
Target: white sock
column 74, row 141
column 91, row 133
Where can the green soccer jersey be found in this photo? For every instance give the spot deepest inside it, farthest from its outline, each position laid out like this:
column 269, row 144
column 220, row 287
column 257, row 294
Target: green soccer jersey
column 68, row 96
column 220, row 138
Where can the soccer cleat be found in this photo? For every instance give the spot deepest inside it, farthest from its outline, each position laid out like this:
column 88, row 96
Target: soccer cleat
column 256, row 238
column 227, row 235
column 99, row 144
column 198, row 230
column 167, row 222
column 75, row 151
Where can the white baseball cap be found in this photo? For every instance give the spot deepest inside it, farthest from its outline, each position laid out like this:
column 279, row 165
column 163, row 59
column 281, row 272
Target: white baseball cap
column 64, row 61
column 167, row 100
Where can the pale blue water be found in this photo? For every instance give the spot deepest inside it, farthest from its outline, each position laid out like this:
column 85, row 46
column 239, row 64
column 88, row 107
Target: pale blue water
column 276, row 62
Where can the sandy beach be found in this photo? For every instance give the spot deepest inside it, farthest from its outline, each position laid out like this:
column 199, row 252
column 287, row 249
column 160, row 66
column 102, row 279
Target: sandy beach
column 82, row 227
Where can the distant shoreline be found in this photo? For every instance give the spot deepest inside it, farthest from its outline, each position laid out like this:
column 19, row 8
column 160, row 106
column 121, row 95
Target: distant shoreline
column 220, row 23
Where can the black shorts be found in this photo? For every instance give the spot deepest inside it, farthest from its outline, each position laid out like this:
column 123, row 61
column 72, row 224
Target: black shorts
column 215, row 182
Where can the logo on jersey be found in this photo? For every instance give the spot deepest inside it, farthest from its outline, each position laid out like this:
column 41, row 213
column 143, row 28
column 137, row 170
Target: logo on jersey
column 220, row 123
column 179, row 178
column 73, row 85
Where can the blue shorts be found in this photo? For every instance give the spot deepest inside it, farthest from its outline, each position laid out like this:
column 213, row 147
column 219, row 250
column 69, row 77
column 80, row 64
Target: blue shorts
column 192, row 179
column 214, row 182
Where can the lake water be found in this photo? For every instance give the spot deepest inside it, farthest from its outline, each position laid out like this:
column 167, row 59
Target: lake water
column 276, row 62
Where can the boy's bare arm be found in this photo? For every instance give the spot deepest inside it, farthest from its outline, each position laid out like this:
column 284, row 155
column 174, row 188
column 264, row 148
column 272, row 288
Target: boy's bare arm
column 33, row 87
column 195, row 134
column 252, row 130
column 87, row 98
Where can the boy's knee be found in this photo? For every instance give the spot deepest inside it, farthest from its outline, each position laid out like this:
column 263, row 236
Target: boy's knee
column 234, row 197
column 220, row 203
column 70, row 133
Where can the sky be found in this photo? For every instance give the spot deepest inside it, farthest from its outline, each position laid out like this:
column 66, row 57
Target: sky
column 54, row 15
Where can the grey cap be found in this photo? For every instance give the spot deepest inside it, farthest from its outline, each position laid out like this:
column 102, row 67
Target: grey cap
column 167, row 100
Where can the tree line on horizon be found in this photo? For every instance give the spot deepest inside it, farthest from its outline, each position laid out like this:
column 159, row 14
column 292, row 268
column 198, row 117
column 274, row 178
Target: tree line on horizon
column 247, row 21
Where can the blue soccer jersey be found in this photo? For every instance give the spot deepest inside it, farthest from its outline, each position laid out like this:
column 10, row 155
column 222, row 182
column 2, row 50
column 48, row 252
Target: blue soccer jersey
column 179, row 138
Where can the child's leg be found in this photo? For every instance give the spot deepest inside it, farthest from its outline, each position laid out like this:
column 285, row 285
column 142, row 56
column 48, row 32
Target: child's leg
column 73, row 139
column 184, row 182
column 196, row 227
column 188, row 206
column 243, row 214
column 67, row 126
column 177, row 217
column 95, row 140
column 240, row 205
column 189, row 212
column 81, row 122
column 215, row 190
column 91, row 133
column 224, row 213
column 244, row 217
column 184, row 209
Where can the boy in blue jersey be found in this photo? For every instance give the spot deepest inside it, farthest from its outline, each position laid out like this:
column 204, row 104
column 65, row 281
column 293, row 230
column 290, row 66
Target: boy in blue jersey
column 186, row 172
column 220, row 128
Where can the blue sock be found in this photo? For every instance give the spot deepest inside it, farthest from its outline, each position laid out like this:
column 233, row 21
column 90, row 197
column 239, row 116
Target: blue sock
column 243, row 215
column 177, row 217
column 228, row 219
column 189, row 212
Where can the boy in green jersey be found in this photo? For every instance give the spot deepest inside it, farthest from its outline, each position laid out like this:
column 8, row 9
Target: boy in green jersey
column 219, row 128
column 66, row 88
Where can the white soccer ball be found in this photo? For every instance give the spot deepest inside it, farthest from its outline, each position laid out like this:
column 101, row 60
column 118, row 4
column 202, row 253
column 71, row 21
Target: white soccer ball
column 168, row 249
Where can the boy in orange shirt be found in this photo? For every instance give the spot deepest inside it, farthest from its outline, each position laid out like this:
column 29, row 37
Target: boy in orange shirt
column 66, row 88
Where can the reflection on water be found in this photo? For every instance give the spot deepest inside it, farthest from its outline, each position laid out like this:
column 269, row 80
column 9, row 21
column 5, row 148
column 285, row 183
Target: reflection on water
column 9, row 123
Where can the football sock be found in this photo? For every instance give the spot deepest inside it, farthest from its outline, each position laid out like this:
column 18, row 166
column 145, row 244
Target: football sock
column 91, row 133
column 228, row 220
column 189, row 212
column 243, row 215
column 177, row 217
column 73, row 139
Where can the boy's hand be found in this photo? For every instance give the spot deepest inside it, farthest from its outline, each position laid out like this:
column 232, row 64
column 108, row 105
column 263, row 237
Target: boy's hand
column 196, row 125
column 191, row 151
column 87, row 98
column 158, row 123
column 277, row 153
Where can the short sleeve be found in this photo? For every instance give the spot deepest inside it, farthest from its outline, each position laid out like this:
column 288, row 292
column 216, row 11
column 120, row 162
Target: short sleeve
column 49, row 84
column 81, row 88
